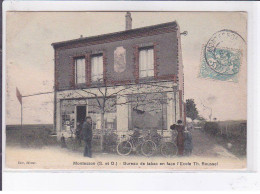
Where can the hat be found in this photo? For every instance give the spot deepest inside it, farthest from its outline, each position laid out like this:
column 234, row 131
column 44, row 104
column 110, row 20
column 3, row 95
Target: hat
column 179, row 121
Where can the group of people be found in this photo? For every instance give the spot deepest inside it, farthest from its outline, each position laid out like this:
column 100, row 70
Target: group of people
column 183, row 140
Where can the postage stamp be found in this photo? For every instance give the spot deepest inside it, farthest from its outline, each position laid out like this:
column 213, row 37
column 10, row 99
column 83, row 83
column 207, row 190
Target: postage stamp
column 222, row 56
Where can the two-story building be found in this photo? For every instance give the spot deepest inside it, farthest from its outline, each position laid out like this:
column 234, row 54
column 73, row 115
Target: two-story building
column 123, row 80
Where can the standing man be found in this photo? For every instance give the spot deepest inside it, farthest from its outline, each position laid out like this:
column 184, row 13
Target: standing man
column 87, row 136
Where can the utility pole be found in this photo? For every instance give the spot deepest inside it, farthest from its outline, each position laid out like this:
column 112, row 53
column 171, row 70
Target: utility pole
column 20, row 99
column 21, row 114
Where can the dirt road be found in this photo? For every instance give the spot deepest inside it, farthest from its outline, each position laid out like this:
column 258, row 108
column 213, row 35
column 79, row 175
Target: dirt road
column 206, row 145
column 207, row 155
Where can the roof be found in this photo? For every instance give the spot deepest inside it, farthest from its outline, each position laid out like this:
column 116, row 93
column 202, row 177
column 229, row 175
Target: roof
column 110, row 35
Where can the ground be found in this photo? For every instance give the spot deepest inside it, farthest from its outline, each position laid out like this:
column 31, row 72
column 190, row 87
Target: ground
column 207, row 154
column 206, row 145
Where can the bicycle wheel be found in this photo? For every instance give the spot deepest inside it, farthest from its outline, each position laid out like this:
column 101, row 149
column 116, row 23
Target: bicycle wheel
column 124, row 148
column 148, row 148
column 169, row 149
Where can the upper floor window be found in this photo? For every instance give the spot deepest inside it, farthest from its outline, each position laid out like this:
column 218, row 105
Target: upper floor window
column 80, row 70
column 146, row 62
column 97, row 68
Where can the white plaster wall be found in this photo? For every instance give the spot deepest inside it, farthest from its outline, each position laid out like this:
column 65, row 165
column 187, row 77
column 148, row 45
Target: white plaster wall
column 122, row 115
column 177, row 107
column 58, row 119
column 170, row 109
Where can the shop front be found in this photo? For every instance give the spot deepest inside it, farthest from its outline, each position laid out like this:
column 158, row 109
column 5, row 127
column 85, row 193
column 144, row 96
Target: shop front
column 150, row 111
column 74, row 111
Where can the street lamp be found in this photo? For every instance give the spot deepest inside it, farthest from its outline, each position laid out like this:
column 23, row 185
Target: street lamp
column 185, row 33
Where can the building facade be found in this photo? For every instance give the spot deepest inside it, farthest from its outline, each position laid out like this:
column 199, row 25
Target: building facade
column 123, row 80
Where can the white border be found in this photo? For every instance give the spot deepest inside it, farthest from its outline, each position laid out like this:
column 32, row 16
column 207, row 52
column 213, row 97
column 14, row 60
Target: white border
column 151, row 181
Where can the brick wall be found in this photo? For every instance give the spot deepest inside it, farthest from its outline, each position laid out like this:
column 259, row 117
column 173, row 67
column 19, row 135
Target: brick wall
column 164, row 41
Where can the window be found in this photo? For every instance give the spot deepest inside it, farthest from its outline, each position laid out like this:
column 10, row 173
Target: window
column 80, row 72
column 67, row 115
column 146, row 62
column 97, row 68
column 148, row 111
column 90, row 107
column 94, row 112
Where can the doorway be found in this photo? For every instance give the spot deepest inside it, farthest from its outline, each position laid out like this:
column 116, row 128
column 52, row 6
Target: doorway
column 81, row 113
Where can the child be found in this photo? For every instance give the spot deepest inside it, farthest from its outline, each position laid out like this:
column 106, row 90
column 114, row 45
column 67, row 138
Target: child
column 188, row 146
column 79, row 133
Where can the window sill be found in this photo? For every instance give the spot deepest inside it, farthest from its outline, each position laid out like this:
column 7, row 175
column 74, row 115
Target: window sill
column 147, row 79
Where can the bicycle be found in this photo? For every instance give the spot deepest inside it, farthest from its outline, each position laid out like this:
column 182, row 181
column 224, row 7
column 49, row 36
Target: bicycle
column 124, row 148
column 149, row 147
column 167, row 148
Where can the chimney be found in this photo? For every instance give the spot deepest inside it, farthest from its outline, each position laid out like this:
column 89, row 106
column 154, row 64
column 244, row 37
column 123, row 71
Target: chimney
column 128, row 21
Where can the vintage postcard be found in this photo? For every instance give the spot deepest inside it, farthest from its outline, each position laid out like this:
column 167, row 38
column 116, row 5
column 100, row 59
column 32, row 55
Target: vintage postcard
column 126, row 90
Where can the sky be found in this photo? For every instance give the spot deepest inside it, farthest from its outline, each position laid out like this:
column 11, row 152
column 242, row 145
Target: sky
column 30, row 57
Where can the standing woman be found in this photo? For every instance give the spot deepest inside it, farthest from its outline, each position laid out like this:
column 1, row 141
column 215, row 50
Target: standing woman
column 180, row 136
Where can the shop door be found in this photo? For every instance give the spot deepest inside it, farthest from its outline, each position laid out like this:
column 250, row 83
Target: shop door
column 81, row 113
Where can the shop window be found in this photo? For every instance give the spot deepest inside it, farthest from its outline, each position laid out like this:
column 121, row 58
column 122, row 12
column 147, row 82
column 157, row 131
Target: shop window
column 148, row 111
column 70, row 109
column 94, row 112
column 68, row 114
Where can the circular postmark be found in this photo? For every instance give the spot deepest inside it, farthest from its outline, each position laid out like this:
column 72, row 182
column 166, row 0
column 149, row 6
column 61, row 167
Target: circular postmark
column 223, row 52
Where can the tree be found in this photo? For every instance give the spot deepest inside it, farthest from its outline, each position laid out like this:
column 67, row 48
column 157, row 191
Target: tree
column 138, row 95
column 191, row 109
column 103, row 98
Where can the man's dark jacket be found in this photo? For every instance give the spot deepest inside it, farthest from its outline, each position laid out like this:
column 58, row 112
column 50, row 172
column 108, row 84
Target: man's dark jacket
column 87, row 131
